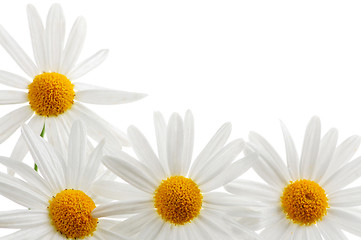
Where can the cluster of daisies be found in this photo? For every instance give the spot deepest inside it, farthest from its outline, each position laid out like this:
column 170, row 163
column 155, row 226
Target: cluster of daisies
column 84, row 186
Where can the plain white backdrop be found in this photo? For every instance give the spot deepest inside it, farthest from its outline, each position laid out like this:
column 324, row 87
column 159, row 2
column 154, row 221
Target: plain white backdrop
column 252, row 63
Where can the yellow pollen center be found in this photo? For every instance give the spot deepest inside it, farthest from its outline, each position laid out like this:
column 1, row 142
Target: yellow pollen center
column 70, row 213
column 51, row 94
column 304, row 202
column 178, row 200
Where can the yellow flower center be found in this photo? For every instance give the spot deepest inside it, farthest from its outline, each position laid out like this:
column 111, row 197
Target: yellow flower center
column 304, row 202
column 178, row 200
column 70, row 213
column 51, row 94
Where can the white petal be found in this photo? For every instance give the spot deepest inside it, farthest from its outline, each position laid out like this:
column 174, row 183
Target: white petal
column 161, row 135
column 214, row 226
column 48, row 161
column 313, row 233
column 232, row 172
column 34, row 233
column 23, row 218
column 12, row 97
column 276, row 231
column 74, row 45
column 292, row 155
column 188, row 142
column 220, row 161
column 13, row 80
column 80, row 86
column 330, row 231
column 135, row 223
column 327, row 149
column 37, row 33
column 346, row 198
column 269, row 156
column 98, row 128
column 107, row 96
column 175, row 144
column 145, row 152
column 253, row 190
column 20, row 192
column 213, row 146
column 310, row 148
column 28, row 174
column 89, row 64
column 342, row 155
column 346, row 219
column 116, row 190
column 57, row 134
column 17, row 53
column 150, row 230
column 108, row 235
column 123, row 207
column 20, row 150
column 130, row 173
column 11, row 121
column 55, row 33
column 76, row 155
column 344, row 176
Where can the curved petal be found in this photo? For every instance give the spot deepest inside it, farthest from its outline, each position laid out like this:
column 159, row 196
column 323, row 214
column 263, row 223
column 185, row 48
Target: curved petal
column 330, row 231
column 12, row 121
column 117, row 190
column 17, row 53
column 74, row 45
column 108, row 235
column 13, row 80
column 350, row 197
column 89, row 64
column 346, row 219
column 55, row 33
column 175, row 144
column 12, row 97
column 188, row 142
column 23, row 218
column 107, row 96
column 291, row 152
column 37, row 33
column 161, row 135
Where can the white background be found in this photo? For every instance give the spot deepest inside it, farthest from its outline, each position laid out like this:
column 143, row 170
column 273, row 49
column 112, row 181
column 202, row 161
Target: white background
column 248, row 62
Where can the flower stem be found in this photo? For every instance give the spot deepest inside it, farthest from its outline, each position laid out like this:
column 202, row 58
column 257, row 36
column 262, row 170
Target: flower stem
column 41, row 135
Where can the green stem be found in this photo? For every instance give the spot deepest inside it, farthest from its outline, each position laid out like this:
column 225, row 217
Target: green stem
column 41, row 135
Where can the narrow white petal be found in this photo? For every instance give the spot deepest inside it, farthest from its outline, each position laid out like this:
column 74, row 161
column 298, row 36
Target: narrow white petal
column 350, row 197
column 37, row 33
column 13, row 80
column 20, row 192
column 313, row 233
column 117, row 190
column 74, row 45
column 92, row 166
column 213, row 146
column 346, row 219
column 269, row 156
column 17, row 53
column 76, row 155
column 219, row 162
column 88, row 64
column 80, row 86
column 290, row 232
column 276, row 231
column 213, row 226
column 11, row 121
column 23, row 218
column 327, row 149
column 12, row 97
column 150, row 230
column 20, row 150
column 98, row 128
column 55, row 33
column 161, row 135
column 108, row 235
column 42, row 152
column 343, row 154
column 232, row 172
column 130, row 173
column 310, row 148
column 175, row 144
column 253, row 190
column 107, row 96
column 188, row 142
column 123, row 207
column 145, row 152
column 292, row 155
column 344, row 176
column 34, row 233
column 330, row 231
column 135, row 223
column 57, row 134
column 28, row 174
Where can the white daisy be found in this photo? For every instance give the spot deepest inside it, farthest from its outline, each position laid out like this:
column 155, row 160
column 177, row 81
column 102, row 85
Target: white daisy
column 306, row 199
column 171, row 197
column 58, row 201
column 52, row 94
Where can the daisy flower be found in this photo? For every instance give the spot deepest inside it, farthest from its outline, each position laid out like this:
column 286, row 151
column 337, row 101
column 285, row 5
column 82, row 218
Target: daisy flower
column 50, row 91
column 306, row 199
column 170, row 197
column 58, row 201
